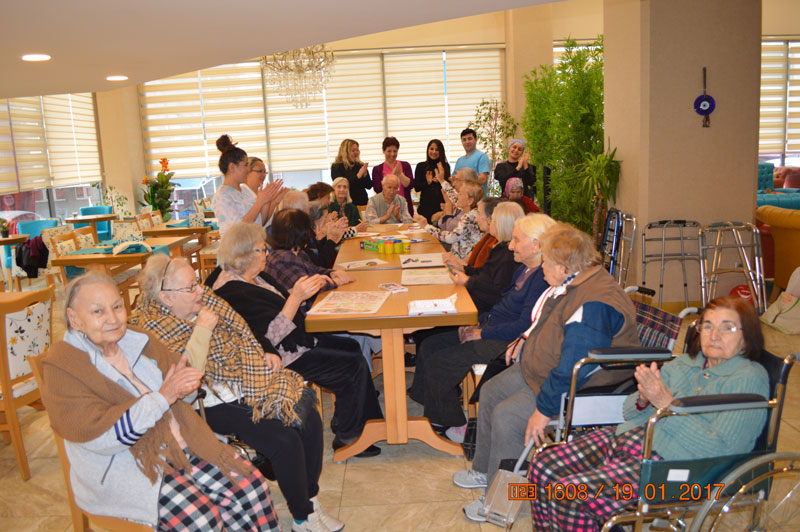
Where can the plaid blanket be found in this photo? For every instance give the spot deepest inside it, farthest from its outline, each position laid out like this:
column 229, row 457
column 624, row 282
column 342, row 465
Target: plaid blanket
column 656, row 327
column 235, row 357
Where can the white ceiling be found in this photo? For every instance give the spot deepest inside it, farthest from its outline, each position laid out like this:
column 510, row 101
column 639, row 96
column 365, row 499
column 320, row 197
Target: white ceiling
column 152, row 39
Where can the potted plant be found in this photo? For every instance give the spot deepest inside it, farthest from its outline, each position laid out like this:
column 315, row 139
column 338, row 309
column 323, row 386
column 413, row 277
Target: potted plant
column 4, row 227
column 159, row 190
column 599, row 175
column 493, row 126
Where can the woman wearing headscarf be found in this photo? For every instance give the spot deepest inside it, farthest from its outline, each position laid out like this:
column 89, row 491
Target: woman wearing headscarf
column 514, row 192
column 517, row 166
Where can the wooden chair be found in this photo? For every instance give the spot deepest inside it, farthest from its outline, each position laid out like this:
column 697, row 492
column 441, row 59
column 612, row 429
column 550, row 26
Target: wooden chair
column 80, row 519
column 207, row 260
column 127, row 230
column 69, row 242
column 25, row 331
column 144, row 220
column 156, row 217
column 198, row 206
column 47, row 236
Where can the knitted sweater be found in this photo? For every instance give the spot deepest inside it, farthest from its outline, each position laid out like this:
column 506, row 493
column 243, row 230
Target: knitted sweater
column 714, row 433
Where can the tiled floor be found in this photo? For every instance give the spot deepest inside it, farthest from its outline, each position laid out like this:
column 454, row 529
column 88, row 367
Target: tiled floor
column 407, row 487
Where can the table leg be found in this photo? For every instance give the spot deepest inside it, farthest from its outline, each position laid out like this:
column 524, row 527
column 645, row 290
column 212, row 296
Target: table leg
column 397, row 428
column 94, row 230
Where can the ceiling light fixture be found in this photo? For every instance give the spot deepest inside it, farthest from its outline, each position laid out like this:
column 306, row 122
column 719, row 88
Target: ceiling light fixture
column 117, row 78
column 36, row 57
column 301, row 74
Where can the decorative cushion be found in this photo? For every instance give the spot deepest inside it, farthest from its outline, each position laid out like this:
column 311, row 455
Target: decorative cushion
column 66, row 247
column 127, row 232
column 85, row 241
column 144, row 222
column 146, row 210
column 27, row 333
column 196, row 220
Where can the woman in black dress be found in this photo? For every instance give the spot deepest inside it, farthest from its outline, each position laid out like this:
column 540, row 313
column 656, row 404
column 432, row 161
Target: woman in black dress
column 348, row 164
column 428, row 177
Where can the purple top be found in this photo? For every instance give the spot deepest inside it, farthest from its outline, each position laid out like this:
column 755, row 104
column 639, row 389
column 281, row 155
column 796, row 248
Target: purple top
column 286, row 268
column 377, row 179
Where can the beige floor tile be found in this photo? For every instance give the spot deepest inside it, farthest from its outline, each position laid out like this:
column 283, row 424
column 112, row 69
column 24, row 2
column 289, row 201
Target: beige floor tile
column 42, row 495
column 36, row 436
column 396, row 517
column 36, row 524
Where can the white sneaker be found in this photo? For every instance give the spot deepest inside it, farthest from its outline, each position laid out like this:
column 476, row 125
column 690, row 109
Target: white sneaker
column 312, row 524
column 456, row 434
column 333, row 524
column 469, row 479
column 476, row 510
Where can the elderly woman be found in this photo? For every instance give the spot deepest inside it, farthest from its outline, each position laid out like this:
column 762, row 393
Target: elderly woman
column 251, row 396
column 723, row 361
column 486, row 283
column 584, row 308
column 445, row 358
column 450, row 215
column 341, row 204
column 467, row 233
column 388, row 207
column 137, row 450
column 272, row 312
column 517, row 166
column 428, row 178
column 232, row 205
column 400, row 169
column 514, row 191
column 348, row 165
column 480, row 252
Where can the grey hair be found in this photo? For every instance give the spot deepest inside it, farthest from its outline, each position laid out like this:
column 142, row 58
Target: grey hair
column 504, row 217
column 469, row 174
column 295, row 199
column 236, row 248
column 339, row 180
column 155, row 274
column 534, row 224
column 75, row 286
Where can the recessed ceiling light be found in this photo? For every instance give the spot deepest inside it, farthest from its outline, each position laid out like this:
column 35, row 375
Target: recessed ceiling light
column 36, row 57
column 117, row 78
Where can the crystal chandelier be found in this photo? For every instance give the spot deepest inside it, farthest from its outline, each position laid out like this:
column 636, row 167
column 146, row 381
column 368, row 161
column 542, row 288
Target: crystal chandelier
column 300, row 75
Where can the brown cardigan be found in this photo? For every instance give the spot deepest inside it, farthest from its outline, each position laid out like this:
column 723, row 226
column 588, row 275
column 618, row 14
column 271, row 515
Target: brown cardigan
column 83, row 404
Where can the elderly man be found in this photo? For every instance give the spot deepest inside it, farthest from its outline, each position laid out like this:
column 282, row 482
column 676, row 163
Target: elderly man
column 388, row 207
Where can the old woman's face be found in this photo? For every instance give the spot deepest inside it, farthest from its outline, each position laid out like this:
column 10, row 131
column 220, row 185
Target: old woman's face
column 99, row 312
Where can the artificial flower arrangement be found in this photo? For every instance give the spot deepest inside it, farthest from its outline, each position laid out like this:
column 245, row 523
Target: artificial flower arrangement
column 159, row 189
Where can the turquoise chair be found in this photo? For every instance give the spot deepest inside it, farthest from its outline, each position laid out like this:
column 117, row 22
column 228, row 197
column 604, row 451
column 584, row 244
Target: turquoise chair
column 103, row 228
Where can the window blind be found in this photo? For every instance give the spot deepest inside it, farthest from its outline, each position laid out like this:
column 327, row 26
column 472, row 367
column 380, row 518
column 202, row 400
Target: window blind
column 8, row 171
column 793, row 113
column 30, row 148
column 71, row 134
column 774, row 78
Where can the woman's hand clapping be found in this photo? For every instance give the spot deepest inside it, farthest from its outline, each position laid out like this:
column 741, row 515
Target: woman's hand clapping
column 307, row 286
column 651, row 387
column 180, row 380
column 362, row 171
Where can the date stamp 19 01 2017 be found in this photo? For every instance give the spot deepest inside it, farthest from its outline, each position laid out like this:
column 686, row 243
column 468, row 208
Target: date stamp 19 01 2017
column 626, row 492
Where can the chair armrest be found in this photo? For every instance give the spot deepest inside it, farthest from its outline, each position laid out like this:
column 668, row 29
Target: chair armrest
column 628, row 354
column 717, row 403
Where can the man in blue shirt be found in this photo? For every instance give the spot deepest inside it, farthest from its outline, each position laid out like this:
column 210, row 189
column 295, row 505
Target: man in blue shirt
column 475, row 159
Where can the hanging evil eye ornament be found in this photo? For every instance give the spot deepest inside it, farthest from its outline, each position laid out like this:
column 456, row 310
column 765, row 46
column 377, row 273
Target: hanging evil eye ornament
column 704, row 104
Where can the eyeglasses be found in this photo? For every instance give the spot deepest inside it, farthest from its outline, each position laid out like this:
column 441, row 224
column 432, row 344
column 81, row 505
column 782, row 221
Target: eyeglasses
column 260, row 250
column 723, row 328
column 187, row 290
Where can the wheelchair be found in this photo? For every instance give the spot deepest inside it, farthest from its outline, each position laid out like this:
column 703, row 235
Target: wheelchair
column 755, row 491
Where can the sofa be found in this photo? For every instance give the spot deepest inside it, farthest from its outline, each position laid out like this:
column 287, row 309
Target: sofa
column 785, row 230
column 771, row 186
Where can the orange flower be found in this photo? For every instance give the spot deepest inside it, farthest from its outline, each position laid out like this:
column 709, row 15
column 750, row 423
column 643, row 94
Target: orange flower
column 164, row 164
column 144, row 180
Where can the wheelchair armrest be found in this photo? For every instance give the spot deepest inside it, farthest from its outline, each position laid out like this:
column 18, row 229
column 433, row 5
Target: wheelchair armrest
column 717, row 403
column 201, row 394
column 628, row 354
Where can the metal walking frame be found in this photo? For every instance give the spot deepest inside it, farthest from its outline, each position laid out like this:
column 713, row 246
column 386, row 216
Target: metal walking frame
column 617, row 245
column 685, row 233
column 732, row 247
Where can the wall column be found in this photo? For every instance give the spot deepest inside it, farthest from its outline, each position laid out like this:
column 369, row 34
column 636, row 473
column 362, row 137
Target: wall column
column 672, row 167
column 121, row 134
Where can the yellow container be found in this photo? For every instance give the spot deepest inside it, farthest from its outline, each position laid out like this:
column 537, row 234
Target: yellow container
column 380, row 247
column 406, row 245
column 398, row 246
column 388, row 247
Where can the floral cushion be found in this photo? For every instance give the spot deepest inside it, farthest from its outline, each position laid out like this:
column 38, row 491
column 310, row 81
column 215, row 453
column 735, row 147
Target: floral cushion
column 65, row 248
column 144, row 222
column 196, row 220
column 127, row 232
column 27, row 333
column 85, row 241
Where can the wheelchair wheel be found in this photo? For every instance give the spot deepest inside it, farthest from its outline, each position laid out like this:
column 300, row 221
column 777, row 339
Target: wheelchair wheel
column 758, row 496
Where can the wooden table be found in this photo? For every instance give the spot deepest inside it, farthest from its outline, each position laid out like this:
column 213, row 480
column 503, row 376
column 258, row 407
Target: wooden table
column 92, row 219
column 174, row 243
column 200, row 233
column 11, row 240
column 351, row 251
column 107, row 263
column 392, row 320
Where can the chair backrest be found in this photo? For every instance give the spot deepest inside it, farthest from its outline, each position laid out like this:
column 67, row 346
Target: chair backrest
column 80, row 521
column 144, row 220
column 34, row 227
column 156, row 217
column 25, row 331
column 84, row 237
column 127, row 230
column 656, row 328
column 198, row 206
column 49, row 233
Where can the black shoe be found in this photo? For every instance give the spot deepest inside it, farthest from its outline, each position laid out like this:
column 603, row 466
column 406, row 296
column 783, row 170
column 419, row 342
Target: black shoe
column 369, row 452
column 334, row 424
column 410, row 359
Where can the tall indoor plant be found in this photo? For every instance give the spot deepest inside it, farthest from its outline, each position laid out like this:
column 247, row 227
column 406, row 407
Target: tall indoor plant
column 563, row 124
column 494, row 127
column 599, row 175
